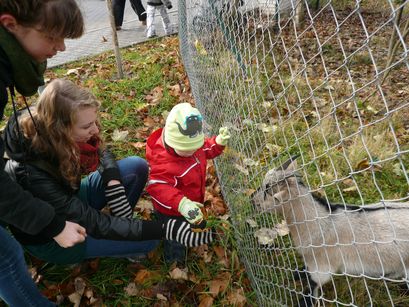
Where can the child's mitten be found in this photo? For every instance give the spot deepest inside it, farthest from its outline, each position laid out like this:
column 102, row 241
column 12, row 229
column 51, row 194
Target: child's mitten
column 190, row 210
column 223, row 137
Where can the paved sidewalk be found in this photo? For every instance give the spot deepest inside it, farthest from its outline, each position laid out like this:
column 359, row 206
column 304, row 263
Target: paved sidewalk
column 98, row 33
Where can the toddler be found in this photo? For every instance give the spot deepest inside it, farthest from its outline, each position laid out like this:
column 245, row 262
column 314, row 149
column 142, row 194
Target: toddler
column 177, row 156
column 152, row 5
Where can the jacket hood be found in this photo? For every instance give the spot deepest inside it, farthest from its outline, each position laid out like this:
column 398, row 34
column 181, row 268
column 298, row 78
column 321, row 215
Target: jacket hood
column 16, row 149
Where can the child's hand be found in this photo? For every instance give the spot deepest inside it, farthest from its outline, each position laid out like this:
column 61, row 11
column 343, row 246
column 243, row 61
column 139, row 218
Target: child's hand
column 223, row 137
column 190, row 210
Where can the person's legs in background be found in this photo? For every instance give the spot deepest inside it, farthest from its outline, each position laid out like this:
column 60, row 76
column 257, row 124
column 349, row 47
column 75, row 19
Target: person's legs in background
column 17, row 288
column 150, row 21
column 139, row 10
column 165, row 20
column 118, row 7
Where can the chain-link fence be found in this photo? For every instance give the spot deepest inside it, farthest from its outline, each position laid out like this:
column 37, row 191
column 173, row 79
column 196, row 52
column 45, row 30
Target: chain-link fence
column 326, row 83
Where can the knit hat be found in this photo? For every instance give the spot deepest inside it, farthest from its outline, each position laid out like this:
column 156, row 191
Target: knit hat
column 183, row 128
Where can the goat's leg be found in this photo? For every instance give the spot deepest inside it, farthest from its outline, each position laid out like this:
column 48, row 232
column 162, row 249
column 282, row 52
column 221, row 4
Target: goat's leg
column 300, row 274
column 309, row 295
column 404, row 286
column 315, row 280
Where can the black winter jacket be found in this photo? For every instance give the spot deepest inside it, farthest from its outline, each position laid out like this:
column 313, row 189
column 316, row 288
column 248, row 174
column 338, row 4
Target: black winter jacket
column 42, row 179
column 18, row 207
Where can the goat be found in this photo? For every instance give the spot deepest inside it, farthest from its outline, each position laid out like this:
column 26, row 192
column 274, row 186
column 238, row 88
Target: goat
column 370, row 240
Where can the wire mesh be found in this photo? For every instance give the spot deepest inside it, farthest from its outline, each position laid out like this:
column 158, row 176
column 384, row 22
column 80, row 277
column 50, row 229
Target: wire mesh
column 324, row 84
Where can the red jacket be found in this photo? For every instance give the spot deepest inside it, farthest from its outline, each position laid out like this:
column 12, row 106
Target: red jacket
column 173, row 177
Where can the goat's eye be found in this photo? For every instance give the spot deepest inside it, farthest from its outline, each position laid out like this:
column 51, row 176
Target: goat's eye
column 268, row 189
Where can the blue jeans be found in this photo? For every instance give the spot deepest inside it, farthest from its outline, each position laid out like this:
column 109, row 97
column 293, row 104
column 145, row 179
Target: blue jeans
column 134, row 173
column 17, row 288
column 172, row 250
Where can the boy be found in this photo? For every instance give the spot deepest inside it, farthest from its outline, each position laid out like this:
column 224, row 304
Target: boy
column 152, row 6
column 177, row 156
column 31, row 31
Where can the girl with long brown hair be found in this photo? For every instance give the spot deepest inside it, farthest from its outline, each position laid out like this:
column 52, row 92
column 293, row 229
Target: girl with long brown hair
column 51, row 149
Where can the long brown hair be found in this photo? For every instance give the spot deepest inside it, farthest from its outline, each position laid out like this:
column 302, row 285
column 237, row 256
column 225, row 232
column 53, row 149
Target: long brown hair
column 50, row 129
column 58, row 18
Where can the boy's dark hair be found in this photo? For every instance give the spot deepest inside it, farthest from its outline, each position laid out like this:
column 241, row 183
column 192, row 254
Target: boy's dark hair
column 59, row 18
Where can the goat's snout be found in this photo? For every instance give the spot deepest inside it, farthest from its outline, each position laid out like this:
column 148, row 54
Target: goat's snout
column 256, row 198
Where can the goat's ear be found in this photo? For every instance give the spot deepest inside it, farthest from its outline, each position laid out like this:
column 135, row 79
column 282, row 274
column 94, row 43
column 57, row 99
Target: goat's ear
column 292, row 166
column 280, row 196
column 286, row 165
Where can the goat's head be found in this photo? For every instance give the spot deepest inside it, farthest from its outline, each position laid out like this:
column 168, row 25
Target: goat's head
column 276, row 187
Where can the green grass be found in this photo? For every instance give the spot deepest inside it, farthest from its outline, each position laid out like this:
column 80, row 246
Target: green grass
column 125, row 107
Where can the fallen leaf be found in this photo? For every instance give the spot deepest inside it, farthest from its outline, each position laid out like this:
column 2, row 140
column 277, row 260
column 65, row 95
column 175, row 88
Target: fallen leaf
column 219, row 250
column 177, row 273
column 282, row 228
column 161, row 297
column 76, row 297
column 89, row 294
column 141, row 276
column 218, row 206
column 241, row 169
column 224, row 217
column 372, row 110
column 364, row 164
column 266, row 128
column 144, row 204
column 199, row 48
column 252, row 223
column 250, row 162
column 138, row 145
column 348, row 182
column 79, row 285
column 265, row 236
column 72, row 71
column 131, row 289
column 155, row 95
column 274, row 149
column 350, row 189
column 206, row 301
column 149, row 122
column 175, row 90
column 217, row 286
column 236, row 298
column 247, row 122
column 119, row 136
column 397, row 170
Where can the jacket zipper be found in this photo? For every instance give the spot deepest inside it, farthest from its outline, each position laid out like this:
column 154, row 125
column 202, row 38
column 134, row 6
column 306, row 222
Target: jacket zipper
column 201, row 179
column 197, row 160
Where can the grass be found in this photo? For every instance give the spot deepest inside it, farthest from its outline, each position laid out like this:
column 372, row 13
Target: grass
column 348, row 143
column 152, row 68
